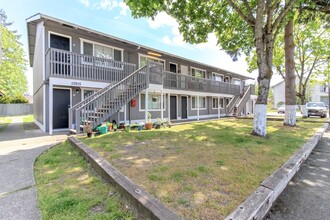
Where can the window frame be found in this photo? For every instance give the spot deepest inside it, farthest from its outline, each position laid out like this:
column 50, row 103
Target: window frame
column 195, row 68
column 219, row 74
column 151, row 57
column 152, row 110
column 200, row 108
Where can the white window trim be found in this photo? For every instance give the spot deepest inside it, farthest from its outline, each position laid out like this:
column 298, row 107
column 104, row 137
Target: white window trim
column 219, row 74
column 62, row 35
column 237, row 79
column 82, row 40
column 173, row 64
column 191, row 68
column 223, row 102
column 152, row 110
column 217, row 98
column 152, row 57
column 84, row 89
column 199, row 107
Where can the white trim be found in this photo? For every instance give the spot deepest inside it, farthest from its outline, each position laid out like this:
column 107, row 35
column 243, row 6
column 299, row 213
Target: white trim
column 161, row 105
column 169, row 106
column 82, row 40
column 77, row 83
column 41, row 127
column 177, row 106
column 204, row 116
column 33, row 18
column 50, row 108
column 169, row 65
column 219, row 74
column 51, row 128
column 62, row 35
column 191, row 68
column 198, row 103
column 44, row 108
column 146, row 105
column 151, row 110
column 192, row 93
column 152, row 57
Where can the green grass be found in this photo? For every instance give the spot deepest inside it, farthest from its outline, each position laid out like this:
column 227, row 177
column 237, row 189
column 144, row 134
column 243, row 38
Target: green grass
column 205, row 169
column 69, row 189
column 4, row 122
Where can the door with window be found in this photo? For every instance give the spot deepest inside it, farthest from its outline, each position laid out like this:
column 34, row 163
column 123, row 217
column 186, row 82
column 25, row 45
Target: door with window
column 61, row 59
column 61, row 104
column 183, row 80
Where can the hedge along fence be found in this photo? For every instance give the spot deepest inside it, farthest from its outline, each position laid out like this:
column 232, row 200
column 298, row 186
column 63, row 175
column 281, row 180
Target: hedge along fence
column 16, row 109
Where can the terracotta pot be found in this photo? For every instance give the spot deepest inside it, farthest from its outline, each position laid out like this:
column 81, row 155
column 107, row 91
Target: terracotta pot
column 149, row 126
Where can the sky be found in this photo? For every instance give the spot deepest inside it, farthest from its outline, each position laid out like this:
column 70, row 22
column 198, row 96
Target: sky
column 113, row 17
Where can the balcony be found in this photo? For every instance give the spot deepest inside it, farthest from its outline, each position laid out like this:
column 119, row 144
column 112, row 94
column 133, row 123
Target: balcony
column 70, row 65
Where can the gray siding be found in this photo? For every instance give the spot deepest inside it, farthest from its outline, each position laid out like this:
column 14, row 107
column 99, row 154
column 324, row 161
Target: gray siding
column 38, row 105
column 38, row 60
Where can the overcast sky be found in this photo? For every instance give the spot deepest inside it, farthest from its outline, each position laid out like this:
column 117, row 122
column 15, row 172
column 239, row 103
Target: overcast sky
column 114, row 18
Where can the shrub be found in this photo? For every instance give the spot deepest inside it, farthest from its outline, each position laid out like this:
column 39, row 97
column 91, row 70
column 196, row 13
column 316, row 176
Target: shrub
column 13, row 99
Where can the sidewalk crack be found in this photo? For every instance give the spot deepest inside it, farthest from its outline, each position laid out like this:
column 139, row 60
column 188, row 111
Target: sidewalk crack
column 18, row 190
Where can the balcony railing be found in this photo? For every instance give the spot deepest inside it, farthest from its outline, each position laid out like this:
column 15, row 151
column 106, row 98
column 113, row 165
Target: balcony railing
column 184, row 82
column 70, row 65
column 65, row 64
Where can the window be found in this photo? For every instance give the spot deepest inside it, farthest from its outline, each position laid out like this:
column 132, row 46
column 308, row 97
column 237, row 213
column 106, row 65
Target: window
column 217, row 77
column 87, row 93
column 236, row 81
column 324, row 87
column 198, row 73
column 153, row 102
column 143, row 60
column 202, row 102
column 221, row 102
column 102, row 51
column 215, row 103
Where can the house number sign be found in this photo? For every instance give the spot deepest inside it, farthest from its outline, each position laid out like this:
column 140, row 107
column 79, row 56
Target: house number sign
column 75, row 83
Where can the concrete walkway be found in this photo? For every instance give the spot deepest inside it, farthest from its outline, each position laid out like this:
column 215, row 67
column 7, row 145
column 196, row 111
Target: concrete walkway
column 307, row 197
column 18, row 150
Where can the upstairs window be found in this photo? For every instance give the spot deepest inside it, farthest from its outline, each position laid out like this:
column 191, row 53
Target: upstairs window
column 217, row 77
column 102, row 51
column 143, row 60
column 198, row 73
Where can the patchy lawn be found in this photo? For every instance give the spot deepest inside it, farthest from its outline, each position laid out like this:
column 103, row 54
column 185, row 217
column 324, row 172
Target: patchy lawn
column 69, row 189
column 28, row 123
column 202, row 170
column 4, row 122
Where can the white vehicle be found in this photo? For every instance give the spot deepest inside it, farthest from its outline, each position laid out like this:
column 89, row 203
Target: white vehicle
column 316, row 109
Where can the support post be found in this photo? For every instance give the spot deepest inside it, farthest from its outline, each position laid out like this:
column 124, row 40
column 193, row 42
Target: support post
column 169, row 106
column 146, row 105
column 50, row 110
column 197, row 108
column 161, row 105
column 125, row 116
column 218, row 107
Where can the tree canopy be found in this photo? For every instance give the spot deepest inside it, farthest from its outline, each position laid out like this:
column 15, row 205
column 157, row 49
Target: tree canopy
column 240, row 27
column 12, row 79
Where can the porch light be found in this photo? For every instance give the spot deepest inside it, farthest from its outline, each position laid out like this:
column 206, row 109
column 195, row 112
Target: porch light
column 154, row 54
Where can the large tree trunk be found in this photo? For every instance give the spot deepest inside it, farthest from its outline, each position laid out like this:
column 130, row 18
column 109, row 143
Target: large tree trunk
column 290, row 78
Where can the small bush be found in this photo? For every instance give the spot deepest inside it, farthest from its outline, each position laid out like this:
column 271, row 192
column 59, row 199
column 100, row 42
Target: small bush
column 13, row 99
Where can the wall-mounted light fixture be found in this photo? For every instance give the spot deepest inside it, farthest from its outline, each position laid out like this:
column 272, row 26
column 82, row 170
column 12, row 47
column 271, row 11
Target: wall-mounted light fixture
column 154, row 54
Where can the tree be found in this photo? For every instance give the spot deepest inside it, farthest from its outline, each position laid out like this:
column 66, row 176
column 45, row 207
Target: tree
column 311, row 56
column 12, row 79
column 240, row 26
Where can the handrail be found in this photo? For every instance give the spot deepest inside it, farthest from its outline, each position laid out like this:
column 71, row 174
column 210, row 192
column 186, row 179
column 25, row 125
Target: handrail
column 243, row 100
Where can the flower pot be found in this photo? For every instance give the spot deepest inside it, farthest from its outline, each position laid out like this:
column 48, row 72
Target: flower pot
column 149, row 126
column 89, row 135
column 109, row 127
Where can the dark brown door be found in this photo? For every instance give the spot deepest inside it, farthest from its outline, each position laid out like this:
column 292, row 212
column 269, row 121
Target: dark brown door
column 184, row 114
column 61, row 104
column 173, row 112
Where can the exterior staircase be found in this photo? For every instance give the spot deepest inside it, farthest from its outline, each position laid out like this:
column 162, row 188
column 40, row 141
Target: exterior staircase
column 237, row 104
column 101, row 105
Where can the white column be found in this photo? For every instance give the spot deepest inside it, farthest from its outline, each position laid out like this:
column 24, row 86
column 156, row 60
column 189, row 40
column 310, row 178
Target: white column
column 146, row 105
column 125, row 113
column 197, row 108
column 50, row 110
column 161, row 105
column 169, row 106
column 219, row 107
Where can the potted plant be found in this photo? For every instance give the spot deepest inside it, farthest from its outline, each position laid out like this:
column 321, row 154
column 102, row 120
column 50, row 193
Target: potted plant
column 88, row 129
column 109, row 124
column 149, row 124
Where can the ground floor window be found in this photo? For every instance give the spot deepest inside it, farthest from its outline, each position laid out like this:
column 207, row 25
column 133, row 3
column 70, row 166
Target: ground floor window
column 221, row 103
column 154, row 102
column 87, row 93
column 201, row 104
column 215, row 103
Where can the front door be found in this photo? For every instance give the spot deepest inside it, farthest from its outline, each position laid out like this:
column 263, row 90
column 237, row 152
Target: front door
column 61, row 59
column 173, row 107
column 184, row 114
column 61, row 104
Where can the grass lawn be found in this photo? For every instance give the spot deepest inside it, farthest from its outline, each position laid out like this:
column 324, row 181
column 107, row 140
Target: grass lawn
column 202, row 170
column 69, row 189
column 28, row 123
column 4, row 121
